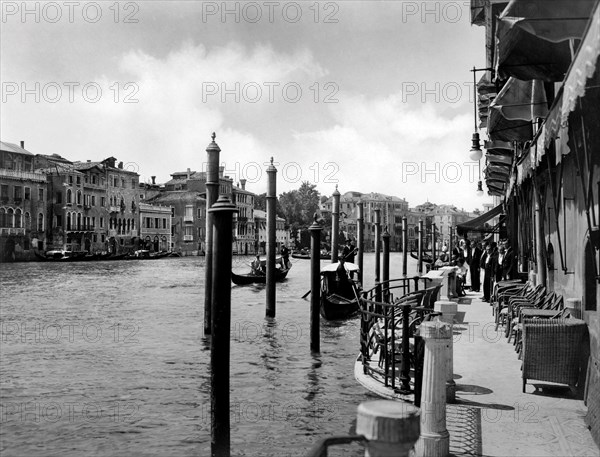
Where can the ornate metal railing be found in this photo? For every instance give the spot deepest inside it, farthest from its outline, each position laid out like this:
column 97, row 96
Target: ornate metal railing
column 387, row 328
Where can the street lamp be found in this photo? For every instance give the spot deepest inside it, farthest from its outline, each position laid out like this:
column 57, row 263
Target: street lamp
column 475, row 153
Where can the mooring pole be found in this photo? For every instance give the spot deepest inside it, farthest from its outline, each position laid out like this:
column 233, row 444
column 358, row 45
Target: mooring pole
column 315, row 286
column 433, row 242
column 212, row 192
column 420, row 248
column 222, row 212
column 335, row 225
column 404, row 246
column 377, row 213
column 271, row 246
column 385, row 270
column 360, row 242
column 451, row 241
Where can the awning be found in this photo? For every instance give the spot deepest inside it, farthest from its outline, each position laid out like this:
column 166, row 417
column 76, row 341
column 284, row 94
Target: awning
column 478, row 224
column 533, row 37
column 579, row 80
column 521, row 100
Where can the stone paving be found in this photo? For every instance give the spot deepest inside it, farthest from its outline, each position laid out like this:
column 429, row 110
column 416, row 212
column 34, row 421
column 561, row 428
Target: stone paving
column 492, row 416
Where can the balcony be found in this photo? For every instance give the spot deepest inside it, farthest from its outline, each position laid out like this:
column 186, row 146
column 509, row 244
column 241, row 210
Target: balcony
column 188, row 237
column 12, row 231
column 114, row 209
column 23, row 175
column 188, row 219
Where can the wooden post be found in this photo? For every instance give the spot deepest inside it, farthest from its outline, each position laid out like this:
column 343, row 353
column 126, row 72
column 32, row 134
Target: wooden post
column 315, row 286
column 271, row 231
column 385, row 271
column 451, row 241
column 360, row 235
column 391, row 427
column 420, row 247
column 335, row 225
column 377, row 213
column 212, row 192
column 540, row 248
column 435, row 439
column 222, row 211
column 433, row 242
column 404, row 246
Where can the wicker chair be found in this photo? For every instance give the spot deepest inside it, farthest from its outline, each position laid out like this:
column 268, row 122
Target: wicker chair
column 552, row 349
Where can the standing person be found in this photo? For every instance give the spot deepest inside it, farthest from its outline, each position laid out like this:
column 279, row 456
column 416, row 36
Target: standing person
column 503, row 265
column 511, row 262
column 348, row 251
column 285, row 256
column 487, row 263
column 474, row 267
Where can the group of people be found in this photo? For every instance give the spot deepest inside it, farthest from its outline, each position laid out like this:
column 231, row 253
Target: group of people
column 497, row 261
column 258, row 267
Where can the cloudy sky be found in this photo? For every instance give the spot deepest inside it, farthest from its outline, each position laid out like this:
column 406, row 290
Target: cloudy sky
column 371, row 95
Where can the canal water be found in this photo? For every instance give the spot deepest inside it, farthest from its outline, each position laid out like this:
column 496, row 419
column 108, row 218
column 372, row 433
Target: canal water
column 108, row 358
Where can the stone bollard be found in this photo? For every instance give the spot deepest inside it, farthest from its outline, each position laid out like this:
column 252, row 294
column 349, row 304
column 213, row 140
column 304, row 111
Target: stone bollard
column 391, row 427
column 449, row 310
column 448, row 290
column 435, row 439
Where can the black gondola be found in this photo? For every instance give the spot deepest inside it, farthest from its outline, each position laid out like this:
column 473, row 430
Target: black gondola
column 340, row 291
column 250, row 278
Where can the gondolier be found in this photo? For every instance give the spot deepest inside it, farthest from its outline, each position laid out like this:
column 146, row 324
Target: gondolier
column 349, row 251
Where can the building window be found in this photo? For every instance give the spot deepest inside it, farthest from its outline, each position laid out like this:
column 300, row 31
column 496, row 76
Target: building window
column 4, row 191
column 18, row 219
column 69, row 196
column 156, row 222
column 70, row 179
column 18, row 193
column 40, row 224
column 172, row 211
column 102, row 238
column 58, row 220
column 93, row 200
column 94, row 179
column 40, row 194
column 122, row 182
column 101, row 222
column 95, row 238
column 79, row 197
column 133, row 184
column 93, row 222
column 3, row 222
column 27, row 195
column 189, row 212
column 103, row 201
column 27, row 221
column 188, row 234
column 78, row 180
column 68, row 221
column 164, row 223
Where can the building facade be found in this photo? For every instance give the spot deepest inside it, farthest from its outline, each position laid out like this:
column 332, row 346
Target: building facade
column 155, row 227
column 23, row 196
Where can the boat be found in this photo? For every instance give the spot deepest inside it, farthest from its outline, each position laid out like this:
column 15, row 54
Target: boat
column 252, row 278
column 144, row 254
column 426, row 257
column 261, row 278
column 300, row 255
column 340, row 290
column 62, row 255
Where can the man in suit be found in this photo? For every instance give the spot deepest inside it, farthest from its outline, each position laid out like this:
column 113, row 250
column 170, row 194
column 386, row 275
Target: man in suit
column 503, row 264
column 487, row 263
column 474, row 267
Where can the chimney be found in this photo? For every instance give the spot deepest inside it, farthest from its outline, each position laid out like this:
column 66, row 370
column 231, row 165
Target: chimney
column 89, row 160
column 22, row 144
column 153, row 180
column 121, row 165
column 189, row 173
column 243, row 183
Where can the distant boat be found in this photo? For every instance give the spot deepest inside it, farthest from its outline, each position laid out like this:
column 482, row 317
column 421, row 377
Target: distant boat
column 301, row 255
column 339, row 292
column 250, row 278
column 426, row 257
column 61, row 255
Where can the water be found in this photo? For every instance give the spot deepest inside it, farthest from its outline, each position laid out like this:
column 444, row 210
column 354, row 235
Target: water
column 108, row 358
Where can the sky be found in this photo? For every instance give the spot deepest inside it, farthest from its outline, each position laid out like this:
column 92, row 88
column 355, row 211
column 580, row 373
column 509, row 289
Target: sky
column 371, row 96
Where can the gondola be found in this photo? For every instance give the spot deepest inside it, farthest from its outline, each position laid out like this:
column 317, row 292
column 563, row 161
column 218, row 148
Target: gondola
column 340, row 291
column 426, row 257
column 300, row 256
column 242, row 280
column 66, row 256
